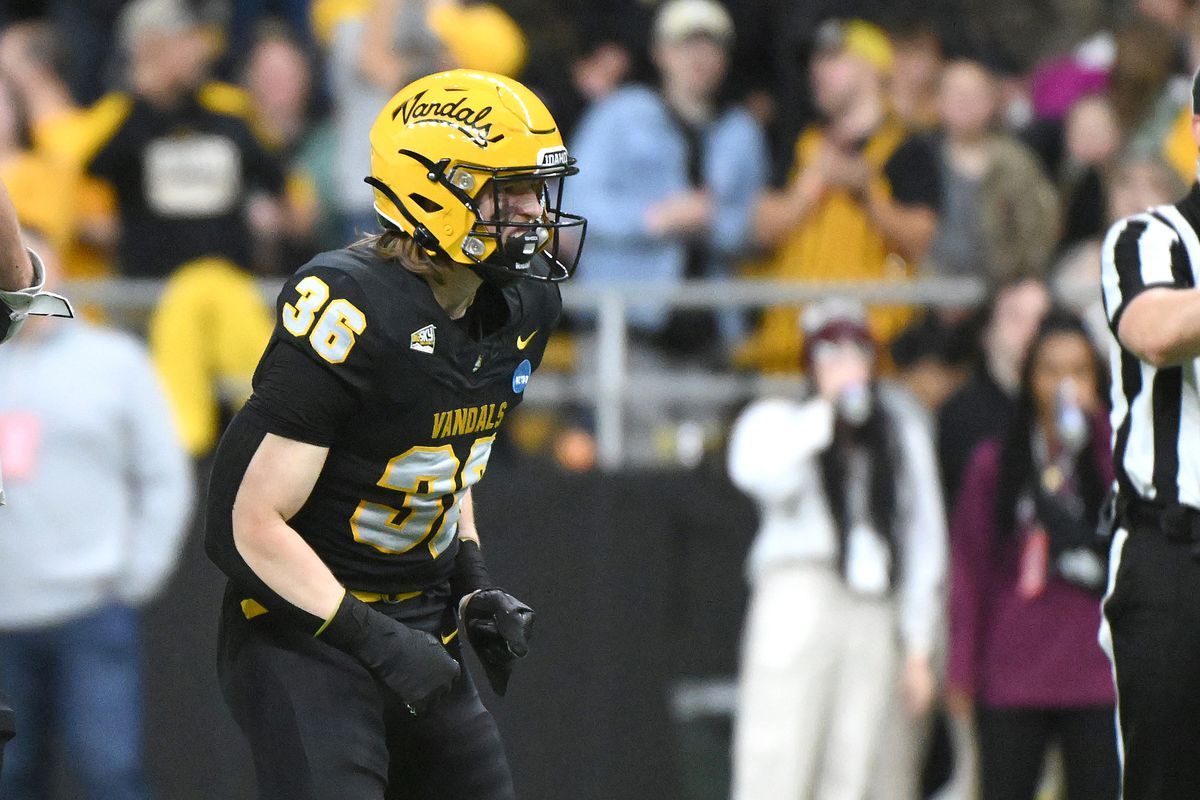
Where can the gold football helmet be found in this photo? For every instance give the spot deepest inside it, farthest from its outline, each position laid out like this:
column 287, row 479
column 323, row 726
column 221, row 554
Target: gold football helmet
column 445, row 139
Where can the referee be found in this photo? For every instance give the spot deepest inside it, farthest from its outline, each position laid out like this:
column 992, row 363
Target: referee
column 1151, row 627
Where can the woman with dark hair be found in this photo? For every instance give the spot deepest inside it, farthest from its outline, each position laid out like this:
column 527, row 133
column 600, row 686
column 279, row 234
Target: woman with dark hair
column 847, row 575
column 1027, row 575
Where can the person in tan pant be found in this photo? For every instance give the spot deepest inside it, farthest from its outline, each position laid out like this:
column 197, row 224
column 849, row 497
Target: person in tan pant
column 846, row 572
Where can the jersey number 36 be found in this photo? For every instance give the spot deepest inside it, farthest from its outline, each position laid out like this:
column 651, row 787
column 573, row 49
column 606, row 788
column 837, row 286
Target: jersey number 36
column 336, row 329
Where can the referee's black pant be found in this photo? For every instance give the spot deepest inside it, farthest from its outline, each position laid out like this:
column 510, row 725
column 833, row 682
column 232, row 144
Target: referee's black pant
column 1152, row 614
column 321, row 728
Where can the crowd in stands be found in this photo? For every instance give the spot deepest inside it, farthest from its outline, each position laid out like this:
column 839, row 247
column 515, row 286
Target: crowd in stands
column 930, row 141
column 206, row 143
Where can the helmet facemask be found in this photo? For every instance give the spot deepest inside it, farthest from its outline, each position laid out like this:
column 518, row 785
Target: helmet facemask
column 501, row 249
column 505, row 248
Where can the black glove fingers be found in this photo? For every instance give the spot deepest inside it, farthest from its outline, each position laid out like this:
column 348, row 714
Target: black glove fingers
column 495, row 652
column 499, row 627
column 513, row 628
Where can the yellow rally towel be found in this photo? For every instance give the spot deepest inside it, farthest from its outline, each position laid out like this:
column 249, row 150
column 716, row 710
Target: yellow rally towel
column 207, row 335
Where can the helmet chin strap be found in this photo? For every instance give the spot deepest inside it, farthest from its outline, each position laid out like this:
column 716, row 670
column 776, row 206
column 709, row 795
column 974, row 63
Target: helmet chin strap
column 518, row 250
column 421, row 235
column 496, row 275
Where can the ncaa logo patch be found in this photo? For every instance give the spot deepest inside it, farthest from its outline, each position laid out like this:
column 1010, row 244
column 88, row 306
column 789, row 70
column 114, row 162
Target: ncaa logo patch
column 521, row 376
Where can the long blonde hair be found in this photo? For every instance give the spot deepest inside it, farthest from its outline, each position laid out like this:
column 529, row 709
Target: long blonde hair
column 399, row 247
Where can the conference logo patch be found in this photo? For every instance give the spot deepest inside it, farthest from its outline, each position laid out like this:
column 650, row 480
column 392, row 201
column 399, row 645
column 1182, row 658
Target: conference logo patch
column 424, row 340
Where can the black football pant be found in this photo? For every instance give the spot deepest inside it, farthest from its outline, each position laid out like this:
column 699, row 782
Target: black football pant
column 321, row 728
column 1013, row 744
column 1153, row 617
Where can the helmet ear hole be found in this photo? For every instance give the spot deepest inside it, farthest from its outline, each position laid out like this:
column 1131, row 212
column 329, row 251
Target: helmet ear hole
column 427, row 205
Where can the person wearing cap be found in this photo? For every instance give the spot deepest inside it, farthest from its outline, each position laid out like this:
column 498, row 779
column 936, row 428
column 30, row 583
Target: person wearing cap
column 377, row 47
column 176, row 147
column 846, row 571
column 671, row 176
column 196, row 194
column 864, row 196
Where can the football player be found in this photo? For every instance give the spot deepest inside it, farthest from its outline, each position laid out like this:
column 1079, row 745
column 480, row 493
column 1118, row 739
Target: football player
column 340, row 502
column 21, row 279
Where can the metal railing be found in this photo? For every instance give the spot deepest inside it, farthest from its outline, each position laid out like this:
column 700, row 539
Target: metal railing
column 606, row 391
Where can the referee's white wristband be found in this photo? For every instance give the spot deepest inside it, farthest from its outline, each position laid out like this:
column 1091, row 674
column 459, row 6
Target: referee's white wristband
column 34, row 300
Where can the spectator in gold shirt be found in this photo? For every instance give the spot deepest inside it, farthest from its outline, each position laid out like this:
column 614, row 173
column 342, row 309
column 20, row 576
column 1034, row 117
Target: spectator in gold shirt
column 863, row 200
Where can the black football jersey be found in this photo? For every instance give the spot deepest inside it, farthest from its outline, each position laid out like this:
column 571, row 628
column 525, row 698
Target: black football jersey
column 384, row 512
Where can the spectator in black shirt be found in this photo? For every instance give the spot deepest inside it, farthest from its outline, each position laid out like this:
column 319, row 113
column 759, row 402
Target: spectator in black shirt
column 186, row 168
column 193, row 185
column 982, row 409
column 1092, row 138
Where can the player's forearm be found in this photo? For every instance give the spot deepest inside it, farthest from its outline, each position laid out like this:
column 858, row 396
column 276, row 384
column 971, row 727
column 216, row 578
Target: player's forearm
column 466, row 520
column 287, row 565
column 16, row 270
column 470, row 572
column 274, row 487
column 1162, row 326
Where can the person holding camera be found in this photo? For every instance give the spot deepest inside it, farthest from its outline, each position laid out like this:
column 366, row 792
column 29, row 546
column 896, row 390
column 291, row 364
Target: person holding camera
column 1026, row 578
column 846, row 573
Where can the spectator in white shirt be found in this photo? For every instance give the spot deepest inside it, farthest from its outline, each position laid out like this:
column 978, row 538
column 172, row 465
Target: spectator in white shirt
column 847, row 571
column 99, row 494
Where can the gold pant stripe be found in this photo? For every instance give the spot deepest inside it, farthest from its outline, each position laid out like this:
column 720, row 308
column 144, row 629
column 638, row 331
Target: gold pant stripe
column 375, row 597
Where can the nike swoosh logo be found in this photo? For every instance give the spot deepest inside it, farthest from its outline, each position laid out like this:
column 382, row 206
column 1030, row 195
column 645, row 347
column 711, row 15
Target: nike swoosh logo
column 523, row 343
column 449, row 637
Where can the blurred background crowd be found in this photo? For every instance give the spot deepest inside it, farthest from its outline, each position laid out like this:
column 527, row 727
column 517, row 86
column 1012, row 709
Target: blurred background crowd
column 172, row 157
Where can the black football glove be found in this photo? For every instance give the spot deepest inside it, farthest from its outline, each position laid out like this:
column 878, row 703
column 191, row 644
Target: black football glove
column 499, row 627
column 412, row 664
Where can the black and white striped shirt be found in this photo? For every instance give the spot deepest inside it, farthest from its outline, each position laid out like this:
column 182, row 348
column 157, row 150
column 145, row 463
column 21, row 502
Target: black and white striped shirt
column 1155, row 412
